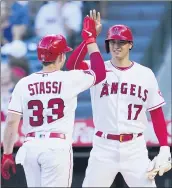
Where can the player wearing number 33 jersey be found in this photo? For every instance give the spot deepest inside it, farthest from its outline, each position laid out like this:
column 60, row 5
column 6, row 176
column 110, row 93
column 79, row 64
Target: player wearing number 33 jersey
column 119, row 105
column 47, row 101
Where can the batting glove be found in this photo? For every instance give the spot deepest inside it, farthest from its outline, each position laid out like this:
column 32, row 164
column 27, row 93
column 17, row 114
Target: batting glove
column 161, row 163
column 7, row 163
column 89, row 30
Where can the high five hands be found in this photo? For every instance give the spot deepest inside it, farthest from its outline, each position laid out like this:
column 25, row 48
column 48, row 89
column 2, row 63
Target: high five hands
column 97, row 19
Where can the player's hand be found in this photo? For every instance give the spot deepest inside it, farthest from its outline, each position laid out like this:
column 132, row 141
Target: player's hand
column 7, row 164
column 152, row 171
column 161, row 163
column 89, row 30
column 97, row 19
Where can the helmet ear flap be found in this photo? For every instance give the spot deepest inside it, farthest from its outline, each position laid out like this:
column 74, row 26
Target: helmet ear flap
column 107, row 46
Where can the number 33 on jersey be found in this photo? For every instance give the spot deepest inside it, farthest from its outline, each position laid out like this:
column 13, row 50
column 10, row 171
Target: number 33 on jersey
column 48, row 97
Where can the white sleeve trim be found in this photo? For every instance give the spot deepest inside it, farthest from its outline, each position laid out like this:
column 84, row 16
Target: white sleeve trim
column 93, row 74
column 94, row 78
column 89, row 66
column 157, row 106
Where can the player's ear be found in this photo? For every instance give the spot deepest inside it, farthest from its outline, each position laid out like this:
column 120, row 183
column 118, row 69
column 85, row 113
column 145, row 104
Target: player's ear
column 59, row 58
column 131, row 45
column 64, row 57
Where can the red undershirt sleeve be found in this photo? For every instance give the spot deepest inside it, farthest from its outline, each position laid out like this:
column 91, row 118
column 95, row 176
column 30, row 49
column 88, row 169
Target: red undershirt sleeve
column 159, row 125
column 98, row 66
column 75, row 60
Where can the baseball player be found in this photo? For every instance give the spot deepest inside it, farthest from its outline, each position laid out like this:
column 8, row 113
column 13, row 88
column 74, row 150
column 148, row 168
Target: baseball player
column 47, row 101
column 119, row 105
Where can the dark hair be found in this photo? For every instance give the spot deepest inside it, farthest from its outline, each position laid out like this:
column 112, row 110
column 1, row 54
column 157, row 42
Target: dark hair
column 47, row 63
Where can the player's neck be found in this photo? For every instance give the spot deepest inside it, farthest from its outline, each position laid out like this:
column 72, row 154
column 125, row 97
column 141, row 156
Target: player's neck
column 121, row 63
column 50, row 68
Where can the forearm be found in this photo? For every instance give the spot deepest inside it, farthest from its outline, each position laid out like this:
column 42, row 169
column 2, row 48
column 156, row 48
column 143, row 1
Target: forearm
column 75, row 60
column 9, row 139
column 97, row 63
column 10, row 134
column 159, row 125
column 92, row 47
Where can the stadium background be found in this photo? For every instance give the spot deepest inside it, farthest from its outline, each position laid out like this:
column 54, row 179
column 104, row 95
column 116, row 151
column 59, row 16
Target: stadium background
column 22, row 25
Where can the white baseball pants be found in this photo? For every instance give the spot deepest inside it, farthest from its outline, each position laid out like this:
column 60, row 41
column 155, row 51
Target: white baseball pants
column 108, row 157
column 46, row 163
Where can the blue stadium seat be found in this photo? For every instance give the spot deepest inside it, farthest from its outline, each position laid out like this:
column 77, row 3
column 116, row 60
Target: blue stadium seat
column 136, row 11
column 84, row 96
column 84, row 110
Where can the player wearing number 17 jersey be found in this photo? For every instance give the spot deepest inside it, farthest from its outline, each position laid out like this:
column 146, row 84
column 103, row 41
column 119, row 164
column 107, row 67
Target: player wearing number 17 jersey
column 119, row 105
column 47, row 101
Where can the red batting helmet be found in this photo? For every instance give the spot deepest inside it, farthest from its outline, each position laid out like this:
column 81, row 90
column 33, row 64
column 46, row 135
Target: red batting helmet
column 50, row 46
column 118, row 32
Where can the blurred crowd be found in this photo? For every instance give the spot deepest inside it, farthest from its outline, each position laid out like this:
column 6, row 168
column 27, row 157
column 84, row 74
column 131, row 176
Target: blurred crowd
column 24, row 20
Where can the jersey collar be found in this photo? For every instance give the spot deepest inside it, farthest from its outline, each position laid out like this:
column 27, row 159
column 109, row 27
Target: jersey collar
column 122, row 69
column 41, row 72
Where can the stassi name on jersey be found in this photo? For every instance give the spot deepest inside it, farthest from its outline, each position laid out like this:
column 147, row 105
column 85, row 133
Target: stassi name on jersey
column 45, row 88
column 124, row 88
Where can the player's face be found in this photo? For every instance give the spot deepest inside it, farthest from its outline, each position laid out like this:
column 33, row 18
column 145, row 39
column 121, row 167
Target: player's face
column 119, row 49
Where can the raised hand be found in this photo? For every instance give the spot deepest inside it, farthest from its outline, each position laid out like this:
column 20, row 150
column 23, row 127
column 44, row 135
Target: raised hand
column 97, row 19
column 89, row 30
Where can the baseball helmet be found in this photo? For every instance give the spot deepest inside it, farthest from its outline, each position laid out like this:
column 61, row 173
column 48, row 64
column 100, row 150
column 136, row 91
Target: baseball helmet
column 118, row 32
column 50, row 46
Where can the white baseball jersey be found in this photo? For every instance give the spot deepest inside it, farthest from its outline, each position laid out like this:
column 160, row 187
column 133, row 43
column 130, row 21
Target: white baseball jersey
column 120, row 102
column 48, row 101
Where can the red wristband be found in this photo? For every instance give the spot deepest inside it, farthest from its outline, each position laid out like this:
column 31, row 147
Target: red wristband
column 8, row 155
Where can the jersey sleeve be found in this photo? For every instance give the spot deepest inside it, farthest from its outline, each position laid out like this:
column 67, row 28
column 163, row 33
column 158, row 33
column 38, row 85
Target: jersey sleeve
column 15, row 105
column 155, row 98
column 82, row 80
